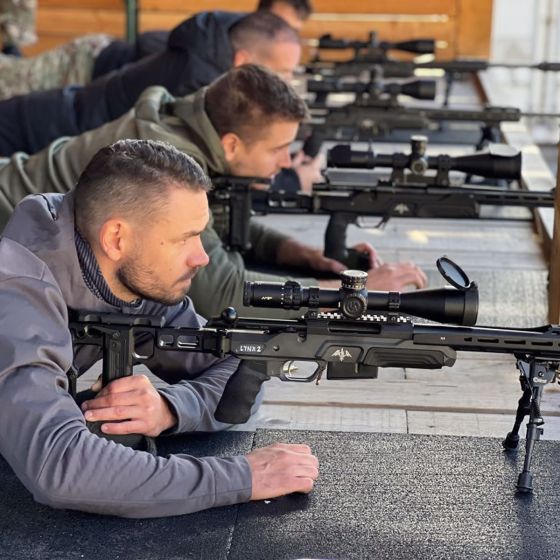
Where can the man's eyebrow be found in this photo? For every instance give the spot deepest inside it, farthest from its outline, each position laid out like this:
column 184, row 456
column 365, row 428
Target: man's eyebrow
column 286, row 144
column 187, row 234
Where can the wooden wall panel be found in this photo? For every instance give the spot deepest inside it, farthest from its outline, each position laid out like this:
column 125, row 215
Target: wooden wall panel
column 475, row 27
column 462, row 27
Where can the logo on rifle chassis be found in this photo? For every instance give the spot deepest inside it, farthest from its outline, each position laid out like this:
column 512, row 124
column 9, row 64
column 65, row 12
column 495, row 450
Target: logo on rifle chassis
column 341, row 354
column 402, row 209
column 249, row 348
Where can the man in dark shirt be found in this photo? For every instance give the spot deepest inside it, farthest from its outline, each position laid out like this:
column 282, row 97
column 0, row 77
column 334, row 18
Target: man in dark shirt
column 198, row 51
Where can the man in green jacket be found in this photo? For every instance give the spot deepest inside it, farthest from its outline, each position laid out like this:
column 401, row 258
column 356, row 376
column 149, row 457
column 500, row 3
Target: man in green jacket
column 242, row 124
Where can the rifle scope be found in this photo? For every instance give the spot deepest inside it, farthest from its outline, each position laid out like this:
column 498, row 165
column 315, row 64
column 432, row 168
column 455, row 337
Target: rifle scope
column 457, row 304
column 498, row 161
column 417, row 46
column 419, row 89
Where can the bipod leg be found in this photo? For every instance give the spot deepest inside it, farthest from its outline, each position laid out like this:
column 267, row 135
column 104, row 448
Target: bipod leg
column 534, row 432
column 523, row 409
column 449, row 78
column 487, row 134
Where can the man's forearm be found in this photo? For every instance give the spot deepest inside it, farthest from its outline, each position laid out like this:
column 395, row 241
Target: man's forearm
column 194, row 401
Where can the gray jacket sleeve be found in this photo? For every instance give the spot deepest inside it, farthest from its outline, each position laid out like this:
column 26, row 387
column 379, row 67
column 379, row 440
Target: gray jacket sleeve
column 43, row 435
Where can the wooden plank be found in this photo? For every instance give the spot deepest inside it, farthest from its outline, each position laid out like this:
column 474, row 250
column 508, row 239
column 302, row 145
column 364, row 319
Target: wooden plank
column 46, row 43
column 411, row 7
column 85, row 4
column 332, row 418
column 433, row 18
column 474, row 28
column 319, row 6
column 477, row 425
column 387, row 6
column 71, row 22
column 554, row 280
column 200, row 6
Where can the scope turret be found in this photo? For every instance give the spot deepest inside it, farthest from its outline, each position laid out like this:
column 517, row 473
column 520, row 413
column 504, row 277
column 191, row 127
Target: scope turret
column 498, row 161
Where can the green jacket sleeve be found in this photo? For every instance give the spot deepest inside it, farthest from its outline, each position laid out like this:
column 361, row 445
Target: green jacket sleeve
column 264, row 244
column 220, row 284
column 57, row 167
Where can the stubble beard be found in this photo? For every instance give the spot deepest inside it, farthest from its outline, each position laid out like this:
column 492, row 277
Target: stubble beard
column 142, row 282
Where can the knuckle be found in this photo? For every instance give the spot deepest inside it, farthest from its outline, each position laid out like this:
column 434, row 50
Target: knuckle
column 307, row 485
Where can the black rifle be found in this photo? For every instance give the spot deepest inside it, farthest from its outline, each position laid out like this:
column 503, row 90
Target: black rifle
column 375, row 63
column 372, row 49
column 374, row 52
column 376, row 89
column 347, row 344
column 348, row 195
column 371, row 118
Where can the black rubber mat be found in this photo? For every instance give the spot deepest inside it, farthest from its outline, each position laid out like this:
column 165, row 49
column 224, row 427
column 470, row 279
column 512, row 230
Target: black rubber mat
column 378, row 496
column 407, row 497
column 31, row 531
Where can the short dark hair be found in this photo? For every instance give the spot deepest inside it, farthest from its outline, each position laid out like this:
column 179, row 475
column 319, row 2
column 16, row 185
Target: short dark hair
column 132, row 178
column 246, row 99
column 303, row 8
column 257, row 30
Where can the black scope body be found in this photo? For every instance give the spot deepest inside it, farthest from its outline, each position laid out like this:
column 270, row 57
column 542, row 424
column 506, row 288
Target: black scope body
column 497, row 161
column 417, row 46
column 418, row 89
column 444, row 305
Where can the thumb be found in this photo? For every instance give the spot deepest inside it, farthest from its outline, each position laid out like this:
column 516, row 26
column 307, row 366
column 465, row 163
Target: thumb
column 96, row 387
column 298, row 159
column 334, row 265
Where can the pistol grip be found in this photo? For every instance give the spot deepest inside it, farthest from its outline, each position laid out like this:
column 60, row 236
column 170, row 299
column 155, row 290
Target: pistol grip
column 240, row 393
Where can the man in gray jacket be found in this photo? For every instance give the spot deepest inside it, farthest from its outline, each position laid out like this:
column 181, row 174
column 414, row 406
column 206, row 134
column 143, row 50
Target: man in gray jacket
column 128, row 240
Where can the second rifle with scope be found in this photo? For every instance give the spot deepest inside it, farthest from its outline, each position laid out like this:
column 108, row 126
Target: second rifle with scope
column 350, row 194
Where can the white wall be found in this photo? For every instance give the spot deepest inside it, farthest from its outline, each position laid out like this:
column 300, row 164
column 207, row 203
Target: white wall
column 528, row 31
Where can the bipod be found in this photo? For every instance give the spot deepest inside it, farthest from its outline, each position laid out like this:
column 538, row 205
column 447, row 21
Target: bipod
column 534, row 375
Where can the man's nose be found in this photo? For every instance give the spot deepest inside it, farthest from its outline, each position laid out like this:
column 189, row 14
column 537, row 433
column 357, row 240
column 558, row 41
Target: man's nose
column 285, row 159
column 199, row 257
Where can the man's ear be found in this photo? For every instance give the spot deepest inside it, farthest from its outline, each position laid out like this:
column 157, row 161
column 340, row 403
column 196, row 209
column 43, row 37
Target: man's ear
column 241, row 57
column 231, row 144
column 114, row 239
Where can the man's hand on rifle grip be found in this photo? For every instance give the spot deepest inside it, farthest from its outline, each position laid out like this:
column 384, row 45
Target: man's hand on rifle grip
column 130, row 405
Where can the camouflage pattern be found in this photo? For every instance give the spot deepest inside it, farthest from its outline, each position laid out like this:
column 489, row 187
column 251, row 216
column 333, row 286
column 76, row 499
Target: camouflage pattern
column 71, row 63
column 17, row 22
